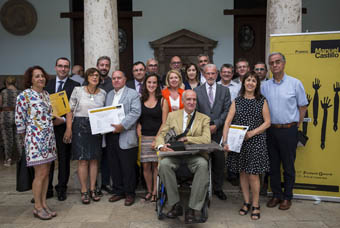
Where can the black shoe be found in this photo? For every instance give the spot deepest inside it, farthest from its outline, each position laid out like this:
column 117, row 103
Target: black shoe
column 190, row 217
column 176, row 210
column 49, row 195
column 107, row 188
column 61, row 195
column 99, row 192
column 220, row 194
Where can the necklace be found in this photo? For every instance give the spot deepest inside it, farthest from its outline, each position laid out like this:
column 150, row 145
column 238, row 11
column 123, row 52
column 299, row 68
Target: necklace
column 91, row 94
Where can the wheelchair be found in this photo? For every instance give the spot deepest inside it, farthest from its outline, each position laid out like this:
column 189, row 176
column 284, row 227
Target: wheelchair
column 184, row 179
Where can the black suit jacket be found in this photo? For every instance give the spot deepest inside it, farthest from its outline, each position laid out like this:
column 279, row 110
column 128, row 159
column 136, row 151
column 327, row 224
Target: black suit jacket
column 131, row 84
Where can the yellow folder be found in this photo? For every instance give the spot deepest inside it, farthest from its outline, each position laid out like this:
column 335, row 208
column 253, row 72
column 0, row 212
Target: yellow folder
column 60, row 103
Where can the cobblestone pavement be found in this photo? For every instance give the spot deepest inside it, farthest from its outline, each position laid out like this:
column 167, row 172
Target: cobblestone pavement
column 16, row 211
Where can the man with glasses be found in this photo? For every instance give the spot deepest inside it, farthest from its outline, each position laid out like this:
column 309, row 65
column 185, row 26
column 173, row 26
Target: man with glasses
column 260, row 69
column 152, row 66
column 202, row 60
column 62, row 82
column 138, row 72
column 242, row 67
column 227, row 73
column 175, row 64
column 287, row 102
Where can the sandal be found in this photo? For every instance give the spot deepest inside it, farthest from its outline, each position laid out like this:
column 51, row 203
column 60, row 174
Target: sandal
column 41, row 214
column 49, row 211
column 243, row 211
column 148, row 196
column 154, row 198
column 94, row 195
column 85, row 199
column 255, row 216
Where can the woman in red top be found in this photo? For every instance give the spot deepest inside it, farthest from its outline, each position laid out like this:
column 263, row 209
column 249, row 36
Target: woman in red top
column 173, row 93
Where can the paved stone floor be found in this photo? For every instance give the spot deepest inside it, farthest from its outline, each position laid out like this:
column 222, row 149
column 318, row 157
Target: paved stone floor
column 16, row 211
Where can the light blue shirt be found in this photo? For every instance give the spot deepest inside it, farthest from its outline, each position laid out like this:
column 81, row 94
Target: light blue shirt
column 234, row 89
column 284, row 99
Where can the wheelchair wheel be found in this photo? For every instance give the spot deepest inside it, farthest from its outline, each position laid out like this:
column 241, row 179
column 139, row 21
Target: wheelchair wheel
column 161, row 200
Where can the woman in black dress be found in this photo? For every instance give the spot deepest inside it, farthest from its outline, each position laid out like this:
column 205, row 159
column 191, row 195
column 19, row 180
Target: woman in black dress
column 249, row 109
column 154, row 113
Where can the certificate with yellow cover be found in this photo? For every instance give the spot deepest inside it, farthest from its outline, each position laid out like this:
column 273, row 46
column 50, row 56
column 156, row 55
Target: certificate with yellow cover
column 60, row 103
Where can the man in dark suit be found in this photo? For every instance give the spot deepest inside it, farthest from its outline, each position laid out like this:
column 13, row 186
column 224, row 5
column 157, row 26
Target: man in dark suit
column 60, row 83
column 214, row 100
column 138, row 72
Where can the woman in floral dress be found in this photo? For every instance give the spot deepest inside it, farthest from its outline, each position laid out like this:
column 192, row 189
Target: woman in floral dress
column 33, row 118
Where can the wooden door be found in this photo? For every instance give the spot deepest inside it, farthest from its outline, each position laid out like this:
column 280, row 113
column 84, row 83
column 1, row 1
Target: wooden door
column 249, row 38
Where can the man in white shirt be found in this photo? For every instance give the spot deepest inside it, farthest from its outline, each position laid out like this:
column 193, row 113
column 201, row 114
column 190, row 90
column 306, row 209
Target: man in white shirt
column 227, row 73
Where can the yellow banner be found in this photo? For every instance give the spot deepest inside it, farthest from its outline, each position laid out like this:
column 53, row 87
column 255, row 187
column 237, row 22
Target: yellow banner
column 60, row 103
column 314, row 58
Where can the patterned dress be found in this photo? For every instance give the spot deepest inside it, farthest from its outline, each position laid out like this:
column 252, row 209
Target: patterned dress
column 253, row 158
column 33, row 116
column 8, row 129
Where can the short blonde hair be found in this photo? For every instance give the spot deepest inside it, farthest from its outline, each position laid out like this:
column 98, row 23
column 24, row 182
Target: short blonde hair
column 168, row 77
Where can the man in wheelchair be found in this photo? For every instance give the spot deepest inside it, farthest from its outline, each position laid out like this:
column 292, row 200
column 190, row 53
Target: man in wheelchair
column 195, row 132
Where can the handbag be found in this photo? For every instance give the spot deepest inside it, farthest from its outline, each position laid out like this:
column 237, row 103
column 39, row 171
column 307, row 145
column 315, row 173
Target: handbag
column 172, row 139
column 25, row 175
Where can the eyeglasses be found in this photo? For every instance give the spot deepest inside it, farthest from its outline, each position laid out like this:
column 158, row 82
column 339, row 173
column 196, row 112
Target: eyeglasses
column 94, row 75
column 63, row 66
column 152, row 65
column 259, row 69
column 176, row 63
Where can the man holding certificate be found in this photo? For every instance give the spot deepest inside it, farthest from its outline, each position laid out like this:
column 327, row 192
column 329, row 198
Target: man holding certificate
column 122, row 143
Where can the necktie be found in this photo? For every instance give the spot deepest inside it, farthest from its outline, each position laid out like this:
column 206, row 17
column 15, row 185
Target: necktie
column 211, row 96
column 60, row 88
column 140, row 88
column 188, row 119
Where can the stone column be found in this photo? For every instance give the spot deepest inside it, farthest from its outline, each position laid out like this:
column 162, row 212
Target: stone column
column 101, row 32
column 283, row 16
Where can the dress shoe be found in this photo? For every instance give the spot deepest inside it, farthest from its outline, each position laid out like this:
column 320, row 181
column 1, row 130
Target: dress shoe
column 129, row 200
column 285, row 205
column 273, row 202
column 190, row 217
column 107, row 188
column 61, row 195
column 99, row 192
column 115, row 198
column 220, row 194
column 176, row 210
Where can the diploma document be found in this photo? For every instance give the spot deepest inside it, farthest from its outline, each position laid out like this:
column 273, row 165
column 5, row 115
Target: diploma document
column 60, row 103
column 235, row 137
column 102, row 118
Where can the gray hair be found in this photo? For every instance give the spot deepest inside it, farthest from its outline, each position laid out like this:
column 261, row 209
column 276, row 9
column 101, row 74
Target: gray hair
column 277, row 53
column 203, row 55
column 209, row 65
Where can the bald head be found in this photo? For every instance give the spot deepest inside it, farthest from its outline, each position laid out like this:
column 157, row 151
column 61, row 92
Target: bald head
column 118, row 80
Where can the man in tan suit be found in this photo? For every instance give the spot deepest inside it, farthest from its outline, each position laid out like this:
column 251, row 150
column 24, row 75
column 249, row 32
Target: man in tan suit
column 199, row 133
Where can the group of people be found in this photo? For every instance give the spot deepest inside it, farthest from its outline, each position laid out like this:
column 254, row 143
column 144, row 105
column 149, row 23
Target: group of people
column 198, row 100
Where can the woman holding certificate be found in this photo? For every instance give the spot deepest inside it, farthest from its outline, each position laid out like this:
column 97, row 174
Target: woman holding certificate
column 33, row 118
column 154, row 113
column 249, row 109
column 86, row 148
